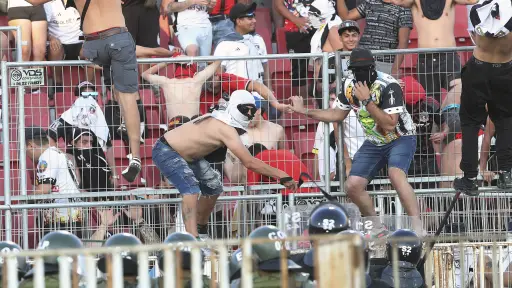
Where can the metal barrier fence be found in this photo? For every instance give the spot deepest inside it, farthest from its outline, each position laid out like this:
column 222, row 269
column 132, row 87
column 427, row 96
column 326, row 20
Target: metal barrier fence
column 428, row 171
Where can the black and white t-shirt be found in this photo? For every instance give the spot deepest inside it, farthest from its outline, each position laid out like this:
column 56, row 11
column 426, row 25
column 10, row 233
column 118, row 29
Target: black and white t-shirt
column 386, row 93
column 492, row 18
column 56, row 169
column 383, row 21
column 63, row 23
column 193, row 16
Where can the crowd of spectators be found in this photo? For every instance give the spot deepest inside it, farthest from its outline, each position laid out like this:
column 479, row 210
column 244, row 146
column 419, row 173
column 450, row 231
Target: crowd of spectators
column 227, row 28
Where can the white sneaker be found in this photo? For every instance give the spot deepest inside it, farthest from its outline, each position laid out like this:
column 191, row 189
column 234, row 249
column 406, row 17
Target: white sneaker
column 206, row 250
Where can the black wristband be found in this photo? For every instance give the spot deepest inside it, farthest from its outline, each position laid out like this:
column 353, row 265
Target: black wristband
column 285, row 179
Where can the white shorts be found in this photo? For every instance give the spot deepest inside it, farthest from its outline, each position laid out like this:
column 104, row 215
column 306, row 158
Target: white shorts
column 199, row 36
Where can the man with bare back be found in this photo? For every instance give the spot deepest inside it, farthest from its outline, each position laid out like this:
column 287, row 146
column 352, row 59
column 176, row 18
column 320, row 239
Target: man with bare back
column 260, row 131
column 487, row 80
column 435, row 23
column 182, row 93
column 109, row 44
column 180, row 156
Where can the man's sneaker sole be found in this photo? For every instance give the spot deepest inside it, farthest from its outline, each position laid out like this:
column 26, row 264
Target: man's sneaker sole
column 131, row 172
column 470, row 191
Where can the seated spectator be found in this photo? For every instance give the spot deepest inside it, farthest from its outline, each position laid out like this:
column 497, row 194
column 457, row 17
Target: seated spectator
column 55, row 175
column 84, row 129
column 64, row 36
column 194, row 29
column 253, row 69
column 450, row 136
column 34, row 27
column 299, row 33
column 283, row 160
column 260, row 131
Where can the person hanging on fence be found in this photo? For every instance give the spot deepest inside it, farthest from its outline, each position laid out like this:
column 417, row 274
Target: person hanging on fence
column 109, row 44
column 55, row 174
column 179, row 155
column 487, row 80
column 435, row 22
column 377, row 99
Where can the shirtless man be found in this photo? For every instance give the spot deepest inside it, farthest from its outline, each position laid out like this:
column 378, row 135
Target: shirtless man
column 183, row 92
column 109, row 44
column 179, row 154
column 261, row 131
column 487, row 79
column 435, row 23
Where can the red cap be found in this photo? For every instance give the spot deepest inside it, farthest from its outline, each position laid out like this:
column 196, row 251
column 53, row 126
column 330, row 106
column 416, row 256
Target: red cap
column 413, row 91
column 185, row 70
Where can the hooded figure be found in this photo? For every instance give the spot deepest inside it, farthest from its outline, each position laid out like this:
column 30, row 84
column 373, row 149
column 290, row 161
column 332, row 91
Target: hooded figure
column 238, row 112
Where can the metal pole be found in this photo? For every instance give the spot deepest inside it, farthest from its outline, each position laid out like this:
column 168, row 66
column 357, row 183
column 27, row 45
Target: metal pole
column 340, row 140
column 325, row 100
column 22, row 158
column 7, row 160
column 19, row 54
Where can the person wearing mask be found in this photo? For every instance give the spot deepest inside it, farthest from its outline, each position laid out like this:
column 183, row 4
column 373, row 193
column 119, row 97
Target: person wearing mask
column 377, row 99
column 387, row 27
column 486, row 85
column 179, row 155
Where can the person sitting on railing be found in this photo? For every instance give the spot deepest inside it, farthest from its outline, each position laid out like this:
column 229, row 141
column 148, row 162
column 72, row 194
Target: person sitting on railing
column 377, row 99
column 487, row 80
column 260, row 131
column 180, row 156
column 83, row 128
column 434, row 21
column 55, row 175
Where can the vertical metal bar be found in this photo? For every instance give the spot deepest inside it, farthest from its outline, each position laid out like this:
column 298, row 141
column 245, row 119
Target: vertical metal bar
column 19, row 54
column 197, row 269
column 325, row 100
column 64, row 272
column 396, row 275
column 117, row 270
column 22, row 158
column 279, row 212
column 169, row 269
column 247, row 264
column 7, row 160
column 223, row 267
column 91, row 279
column 12, row 272
column 340, row 140
column 38, row 273
column 143, row 268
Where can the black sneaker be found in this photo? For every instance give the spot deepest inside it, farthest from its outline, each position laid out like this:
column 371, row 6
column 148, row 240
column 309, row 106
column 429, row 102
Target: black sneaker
column 466, row 186
column 131, row 172
column 505, row 180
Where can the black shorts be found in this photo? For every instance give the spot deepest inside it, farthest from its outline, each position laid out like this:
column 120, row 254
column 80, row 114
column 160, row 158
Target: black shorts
column 32, row 13
column 72, row 51
column 436, row 71
column 299, row 43
column 143, row 24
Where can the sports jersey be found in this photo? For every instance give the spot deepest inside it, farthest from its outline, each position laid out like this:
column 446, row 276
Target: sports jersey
column 64, row 24
column 386, row 93
column 195, row 15
column 56, row 169
column 492, row 18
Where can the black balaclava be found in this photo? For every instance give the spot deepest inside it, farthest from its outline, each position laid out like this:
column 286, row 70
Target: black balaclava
column 366, row 74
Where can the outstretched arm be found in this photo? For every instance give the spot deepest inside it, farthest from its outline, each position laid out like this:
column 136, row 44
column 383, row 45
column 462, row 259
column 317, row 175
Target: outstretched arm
column 329, row 115
column 207, row 72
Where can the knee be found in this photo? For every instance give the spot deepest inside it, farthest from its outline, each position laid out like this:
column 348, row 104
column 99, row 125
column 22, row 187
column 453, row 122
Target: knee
column 397, row 176
column 352, row 187
column 25, row 51
column 39, row 51
column 192, row 50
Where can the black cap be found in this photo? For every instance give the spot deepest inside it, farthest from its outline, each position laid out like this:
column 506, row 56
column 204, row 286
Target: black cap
column 241, row 10
column 361, row 57
column 35, row 132
column 348, row 24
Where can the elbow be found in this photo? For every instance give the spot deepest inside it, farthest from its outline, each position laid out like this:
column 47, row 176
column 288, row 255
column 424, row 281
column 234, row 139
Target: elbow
column 250, row 164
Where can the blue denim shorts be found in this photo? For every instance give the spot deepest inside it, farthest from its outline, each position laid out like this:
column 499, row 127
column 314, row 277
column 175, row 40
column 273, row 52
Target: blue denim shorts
column 370, row 158
column 189, row 178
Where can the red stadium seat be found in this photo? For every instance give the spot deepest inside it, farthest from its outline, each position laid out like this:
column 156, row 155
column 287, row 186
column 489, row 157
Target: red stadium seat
column 413, row 38
column 37, row 113
column 461, row 25
column 74, row 75
column 154, row 114
column 151, row 173
column 303, row 146
column 409, row 65
column 294, row 123
column 34, row 232
column 264, row 26
column 207, row 100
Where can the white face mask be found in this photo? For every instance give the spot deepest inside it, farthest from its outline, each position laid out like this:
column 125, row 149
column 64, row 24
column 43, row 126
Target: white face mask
column 232, row 115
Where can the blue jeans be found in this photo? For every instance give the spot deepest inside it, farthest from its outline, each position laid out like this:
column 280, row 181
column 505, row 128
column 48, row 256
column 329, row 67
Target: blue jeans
column 188, row 177
column 220, row 29
column 272, row 113
column 370, row 158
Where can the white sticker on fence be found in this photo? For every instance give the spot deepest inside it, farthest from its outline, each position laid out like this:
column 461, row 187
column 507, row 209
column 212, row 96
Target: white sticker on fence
column 27, row 77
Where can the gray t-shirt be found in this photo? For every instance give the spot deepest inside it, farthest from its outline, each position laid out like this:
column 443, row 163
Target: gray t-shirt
column 383, row 21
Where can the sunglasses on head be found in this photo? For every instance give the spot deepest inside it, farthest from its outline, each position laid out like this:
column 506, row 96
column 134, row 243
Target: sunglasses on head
column 250, row 15
column 86, row 94
column 248, row 110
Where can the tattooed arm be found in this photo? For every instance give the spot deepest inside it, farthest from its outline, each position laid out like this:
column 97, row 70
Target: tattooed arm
column 180, row 6
column 148, row 234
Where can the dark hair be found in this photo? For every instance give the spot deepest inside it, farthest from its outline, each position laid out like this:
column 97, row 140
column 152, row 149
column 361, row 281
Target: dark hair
column 38, row 141
column 351, row 29
column 256, row 149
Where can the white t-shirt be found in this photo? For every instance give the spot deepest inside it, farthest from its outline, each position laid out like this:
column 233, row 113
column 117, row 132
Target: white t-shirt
column 195, row 15
column 64, row 24
column 18, row 3
column 318, row 149
column 249, row 69
column 259, row 44
column 56, row 169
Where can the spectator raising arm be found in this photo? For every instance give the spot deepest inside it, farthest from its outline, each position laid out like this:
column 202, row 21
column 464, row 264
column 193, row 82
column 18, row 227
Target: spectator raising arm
column 330, row 115
column 354, row 14
column 301, row 22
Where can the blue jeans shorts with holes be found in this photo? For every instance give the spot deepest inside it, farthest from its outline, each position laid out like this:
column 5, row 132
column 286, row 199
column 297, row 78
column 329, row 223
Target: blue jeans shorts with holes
column 188, row 177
